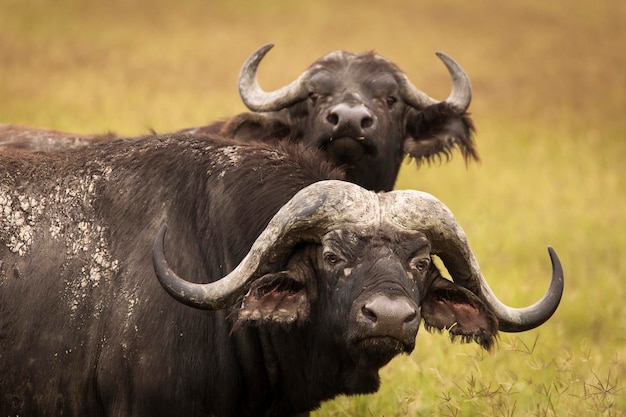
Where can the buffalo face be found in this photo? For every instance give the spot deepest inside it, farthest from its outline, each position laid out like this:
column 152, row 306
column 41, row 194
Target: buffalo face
column 363, row 293
column 382, row 290
column 367, row 294
column 371, row 288
column 355, row 116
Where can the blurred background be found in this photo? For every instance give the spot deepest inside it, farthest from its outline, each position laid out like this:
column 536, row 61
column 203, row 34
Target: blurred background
column 549, row 83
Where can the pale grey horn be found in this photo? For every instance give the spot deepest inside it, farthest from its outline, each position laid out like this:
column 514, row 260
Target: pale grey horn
column 414, row 210
column 460, row 97
column 312, row 212
column 258, row 100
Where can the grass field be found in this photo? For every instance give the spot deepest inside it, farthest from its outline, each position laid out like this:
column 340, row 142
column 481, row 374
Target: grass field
column 549, row 84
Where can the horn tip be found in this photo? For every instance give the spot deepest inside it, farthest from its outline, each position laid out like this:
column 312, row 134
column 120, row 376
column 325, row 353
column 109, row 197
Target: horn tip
column 267, row 47
column 447, row 59
column 556, row 262
column 552, row 252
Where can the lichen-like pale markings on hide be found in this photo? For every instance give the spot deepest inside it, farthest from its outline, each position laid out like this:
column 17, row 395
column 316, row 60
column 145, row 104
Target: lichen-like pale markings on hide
column 65, row 214
column 224, row 158
column 227, row 157
column 19, row 214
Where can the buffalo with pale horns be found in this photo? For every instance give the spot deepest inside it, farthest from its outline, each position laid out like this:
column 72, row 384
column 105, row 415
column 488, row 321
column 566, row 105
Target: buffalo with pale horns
column 361, row 110
column 303, row 285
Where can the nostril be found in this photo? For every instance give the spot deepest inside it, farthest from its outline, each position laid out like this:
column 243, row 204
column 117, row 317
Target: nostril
column 411, row 317
column 369, row 314
column 333, row 119
column 367, row 122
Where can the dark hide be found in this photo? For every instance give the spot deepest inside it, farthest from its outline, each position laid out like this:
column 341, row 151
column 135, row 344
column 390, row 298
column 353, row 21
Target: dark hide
column 86, row 329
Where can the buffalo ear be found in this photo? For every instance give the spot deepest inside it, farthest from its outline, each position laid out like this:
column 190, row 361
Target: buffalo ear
column 435, row 131
column 256, row 127
column 449, row 306
column 275, row 298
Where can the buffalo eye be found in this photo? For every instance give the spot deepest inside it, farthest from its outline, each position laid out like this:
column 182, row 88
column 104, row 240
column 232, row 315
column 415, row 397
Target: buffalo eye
column 391, row 101
column 313, row 97
column 331, row 258
column 420, row 263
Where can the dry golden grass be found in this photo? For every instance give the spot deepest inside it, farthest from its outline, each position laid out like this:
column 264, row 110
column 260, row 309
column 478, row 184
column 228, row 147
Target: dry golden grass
column 550, row 92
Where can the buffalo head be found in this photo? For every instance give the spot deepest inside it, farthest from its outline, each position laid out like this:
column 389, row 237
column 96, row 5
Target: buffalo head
column 362, row 110
column 357, row 266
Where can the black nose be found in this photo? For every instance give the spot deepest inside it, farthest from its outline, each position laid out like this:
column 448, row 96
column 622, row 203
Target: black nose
column 397, row 317
column 344, row 116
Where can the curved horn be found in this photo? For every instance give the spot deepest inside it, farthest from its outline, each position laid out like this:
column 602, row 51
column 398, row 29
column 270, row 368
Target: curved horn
column 416, row 210
column 261, row 101
column 313, row 211
column 460, row 96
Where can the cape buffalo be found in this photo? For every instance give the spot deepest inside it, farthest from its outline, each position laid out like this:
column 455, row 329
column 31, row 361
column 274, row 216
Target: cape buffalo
column 360, row 109
column 311, row 284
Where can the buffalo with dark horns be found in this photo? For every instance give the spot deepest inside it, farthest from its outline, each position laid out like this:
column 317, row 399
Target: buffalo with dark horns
column 361, row 110
column 323, row 282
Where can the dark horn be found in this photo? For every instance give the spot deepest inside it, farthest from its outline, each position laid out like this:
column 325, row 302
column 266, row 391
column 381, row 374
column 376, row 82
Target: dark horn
column 522, row 319
column 312, row 212
column 205, row 296
column 258, row 100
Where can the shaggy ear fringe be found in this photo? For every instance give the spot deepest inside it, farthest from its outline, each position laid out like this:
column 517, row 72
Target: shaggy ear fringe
column 486, row 341
column 437, row 130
